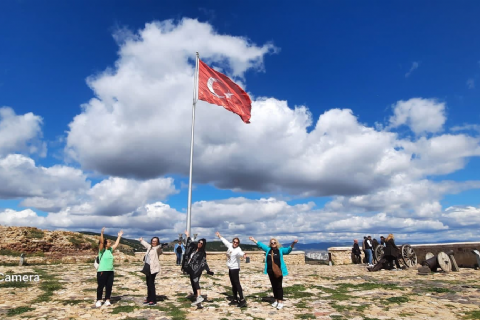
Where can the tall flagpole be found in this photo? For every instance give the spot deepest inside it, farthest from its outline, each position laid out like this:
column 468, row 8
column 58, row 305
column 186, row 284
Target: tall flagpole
column 195, row 97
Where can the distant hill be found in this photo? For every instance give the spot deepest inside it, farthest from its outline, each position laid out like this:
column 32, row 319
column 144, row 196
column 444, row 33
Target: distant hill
column 137, row 246
column 219, row 246
column 134, row 244
column 322, row 246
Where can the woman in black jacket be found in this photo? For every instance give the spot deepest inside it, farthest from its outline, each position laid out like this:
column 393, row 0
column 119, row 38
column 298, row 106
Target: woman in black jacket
column 391, row 252
column 196, row 262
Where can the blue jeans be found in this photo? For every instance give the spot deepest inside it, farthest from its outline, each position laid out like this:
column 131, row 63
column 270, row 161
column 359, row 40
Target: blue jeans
column 368, row 253
column 179, row 257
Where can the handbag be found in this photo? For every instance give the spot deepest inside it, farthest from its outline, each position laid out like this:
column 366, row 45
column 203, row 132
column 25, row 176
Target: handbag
column 276, row 270
column 146, row 269
column 96, row 262
column 146, row 266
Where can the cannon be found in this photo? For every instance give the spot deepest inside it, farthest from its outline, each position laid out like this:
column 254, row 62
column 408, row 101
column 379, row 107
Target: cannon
column 406, row 256
column 445, row 261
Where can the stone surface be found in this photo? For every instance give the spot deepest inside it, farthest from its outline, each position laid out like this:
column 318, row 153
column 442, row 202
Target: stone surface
column 311, row 291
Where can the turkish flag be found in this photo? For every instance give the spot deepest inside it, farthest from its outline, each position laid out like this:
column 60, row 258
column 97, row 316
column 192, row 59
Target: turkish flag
column 216, row 88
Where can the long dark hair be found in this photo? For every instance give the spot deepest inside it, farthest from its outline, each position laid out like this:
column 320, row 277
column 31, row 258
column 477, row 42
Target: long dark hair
column 204, row 246
column 158, row 240
column 104, row 243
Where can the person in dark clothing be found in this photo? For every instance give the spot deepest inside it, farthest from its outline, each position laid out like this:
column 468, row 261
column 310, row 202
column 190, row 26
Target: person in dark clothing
column 179, row 250
column 391, row 252
column 363, row 250
column 375, row 245
column 356, row 252
column 382, row 241
column 196, row 258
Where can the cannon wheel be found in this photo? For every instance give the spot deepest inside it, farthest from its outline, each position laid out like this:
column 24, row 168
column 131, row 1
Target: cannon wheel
column 444, row 262
column 409, row 256
column 379, row 252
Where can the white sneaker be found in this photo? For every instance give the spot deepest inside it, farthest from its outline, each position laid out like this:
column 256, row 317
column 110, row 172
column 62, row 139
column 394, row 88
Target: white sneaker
column 98, row 304
column 107, row 303
column 199, row 299
column 280, row 306
column 275, row 304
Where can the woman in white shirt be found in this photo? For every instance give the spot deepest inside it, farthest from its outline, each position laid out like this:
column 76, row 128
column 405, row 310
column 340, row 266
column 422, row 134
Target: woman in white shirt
column 234, row 253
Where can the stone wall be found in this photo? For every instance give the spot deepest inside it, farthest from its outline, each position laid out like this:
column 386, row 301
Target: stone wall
column 340, row 255
column 294, row 258
column 462, row 252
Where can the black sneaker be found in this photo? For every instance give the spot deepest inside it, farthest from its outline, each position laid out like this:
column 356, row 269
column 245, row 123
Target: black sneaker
column 151, row 304
column 242, row 303
column 146, row 302
column 233, row 303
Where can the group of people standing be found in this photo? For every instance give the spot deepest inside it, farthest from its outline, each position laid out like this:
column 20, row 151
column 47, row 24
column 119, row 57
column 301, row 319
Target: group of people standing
column 390, row 253
column 194, row 262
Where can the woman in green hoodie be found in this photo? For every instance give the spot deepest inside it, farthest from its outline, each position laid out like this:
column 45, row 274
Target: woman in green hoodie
column 105, row 268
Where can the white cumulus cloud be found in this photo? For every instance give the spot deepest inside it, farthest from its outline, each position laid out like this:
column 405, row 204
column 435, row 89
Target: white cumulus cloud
column 20, row 133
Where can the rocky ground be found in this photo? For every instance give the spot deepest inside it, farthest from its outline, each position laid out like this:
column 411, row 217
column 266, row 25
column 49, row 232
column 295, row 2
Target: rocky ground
column 311, row 292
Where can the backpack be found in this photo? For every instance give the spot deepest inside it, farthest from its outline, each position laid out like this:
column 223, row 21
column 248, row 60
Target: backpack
column 179, row 249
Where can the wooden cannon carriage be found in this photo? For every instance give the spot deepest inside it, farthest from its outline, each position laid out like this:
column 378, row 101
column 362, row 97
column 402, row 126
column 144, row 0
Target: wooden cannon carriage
column 407, row 256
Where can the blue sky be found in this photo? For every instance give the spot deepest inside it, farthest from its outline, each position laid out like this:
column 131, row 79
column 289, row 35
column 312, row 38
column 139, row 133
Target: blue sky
column 399, row 81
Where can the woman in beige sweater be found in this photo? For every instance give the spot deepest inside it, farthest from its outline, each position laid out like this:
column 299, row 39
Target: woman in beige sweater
column 154, row 249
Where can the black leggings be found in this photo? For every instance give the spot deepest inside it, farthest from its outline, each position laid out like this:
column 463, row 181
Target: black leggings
column 195, row 282
column 234, row 275
column 390, row 260
column 151, row 294
column 276, row 285
column 104, row 279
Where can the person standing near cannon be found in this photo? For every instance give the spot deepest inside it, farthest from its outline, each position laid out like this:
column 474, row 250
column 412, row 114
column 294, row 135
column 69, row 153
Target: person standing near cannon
column 356, row 251
column 368, row 250
column 391, row 252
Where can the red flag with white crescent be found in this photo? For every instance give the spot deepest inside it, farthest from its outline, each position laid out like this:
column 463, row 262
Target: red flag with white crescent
column 216, row 88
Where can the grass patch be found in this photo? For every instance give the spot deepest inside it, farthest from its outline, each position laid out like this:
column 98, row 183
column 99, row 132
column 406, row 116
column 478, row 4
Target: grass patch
column 398, row 300
column 35, row 234
column 73, row 301
column 344, row 287
column 296, row 291
column 174, row 311
column 361, row 308
column 472, row 315
column 8, row 252
column 121, row 309
column 305, row 316
column 340, row 308
column 77, row 241
column 439, row 290
column 19, row 310
column 48, row 283
column 339, row 296
column 302, row 305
